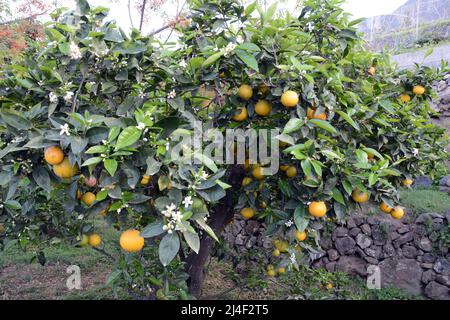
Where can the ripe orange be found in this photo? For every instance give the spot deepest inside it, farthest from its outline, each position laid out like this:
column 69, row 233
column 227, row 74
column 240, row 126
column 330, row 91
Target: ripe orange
column 276, row 253
column 145, row 180
column 53, row 155
column 131, row 241
column 360, row 196
column 301, row 236
column 385, row 207
column 291, row 172
column 281, row 270
column 407, row 182
column 311, row 114
column 88, row 198
column 317, row 209
column 329, row 286
column 263, row 204
column 65, row 169
column 95, row 240
column 79, row 194
column 258, row 173
column 245, row 92
column 284, row 167
column 263, row 108
column 246, row 181
column 243, row 115
column 371, row 71
column 289, row 99
column 247, row 213
column 370, row 156
column 2, row 228
column 404, row 97
column 397, row 213
column 418, row 90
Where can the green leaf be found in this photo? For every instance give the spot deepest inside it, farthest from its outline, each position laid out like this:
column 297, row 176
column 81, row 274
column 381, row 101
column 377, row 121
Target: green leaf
column 212, row 59
column 168, row 248
column 347, row 118
column 292, row 125
column 113, row 133
column 248, row 59
column 324, row 125
column 337, row 195
column 387, row 105
column 42, row 178
column 373, row 178
column 306, row 167
column 206, row 161
column 101, row 195
column 97, row 149
column 193, row 240
column 113, row 277
column 152, row 230
column 207, row 228
column 111, row 166
column 301, row 218
column 91, row 161
column 127, row 137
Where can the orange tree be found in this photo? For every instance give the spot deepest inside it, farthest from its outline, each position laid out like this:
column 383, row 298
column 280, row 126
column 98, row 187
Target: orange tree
column 88, row 121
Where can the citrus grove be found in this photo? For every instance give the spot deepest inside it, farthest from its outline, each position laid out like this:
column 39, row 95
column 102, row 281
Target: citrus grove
column 88, row 119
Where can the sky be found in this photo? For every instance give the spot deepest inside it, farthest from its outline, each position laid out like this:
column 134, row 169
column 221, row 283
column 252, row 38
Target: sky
column 119, row 11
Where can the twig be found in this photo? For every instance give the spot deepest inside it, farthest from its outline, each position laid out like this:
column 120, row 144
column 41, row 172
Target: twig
column 129, row 14
column 142, row 15
column 33, row 16
column 102, row 251
column 74, row 101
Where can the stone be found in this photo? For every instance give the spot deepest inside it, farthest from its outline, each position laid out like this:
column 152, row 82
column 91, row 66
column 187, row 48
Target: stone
column 331, row 266
column 442, row 85
column 252, row 227
column 444, row 189
column 339, row 232
column 363, row 241
column 359, row 220
column 402, row 273
column 360, row 252
column 371, row 252
column 388, row 251
column 371, row 260
column 379, row 236
column 428, row 276
column 437, row 291
column 422, row 218
column 394, row 236
column 345, row 245
column 425, row 244
column 428, row 258
column 372, row 220
column 251, row 242
column 407, row 237
column 317, row 264
column 333, row 255
column 426, row 265
column 240, row 240
column 445, row 280
column 325, row 243
column 351, row 224
column 365, row 228
column 445, row 181
column 423, row 182
column 420, row 230
column 236, row 228
column 409, row 251
column 351, row 265
column 403, row 230
column 447, row 216
column 354, row 232
column 442, row 266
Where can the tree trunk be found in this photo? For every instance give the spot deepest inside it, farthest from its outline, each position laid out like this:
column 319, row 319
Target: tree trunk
column 220, row 217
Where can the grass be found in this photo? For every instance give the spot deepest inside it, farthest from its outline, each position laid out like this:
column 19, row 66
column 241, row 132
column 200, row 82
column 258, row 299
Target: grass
column 425, row 200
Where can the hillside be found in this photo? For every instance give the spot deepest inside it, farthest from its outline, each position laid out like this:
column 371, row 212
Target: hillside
column 413, row 23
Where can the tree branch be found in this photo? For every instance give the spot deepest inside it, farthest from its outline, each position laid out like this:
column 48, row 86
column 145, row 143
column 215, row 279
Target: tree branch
column 142, row 15
column 32, row 17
